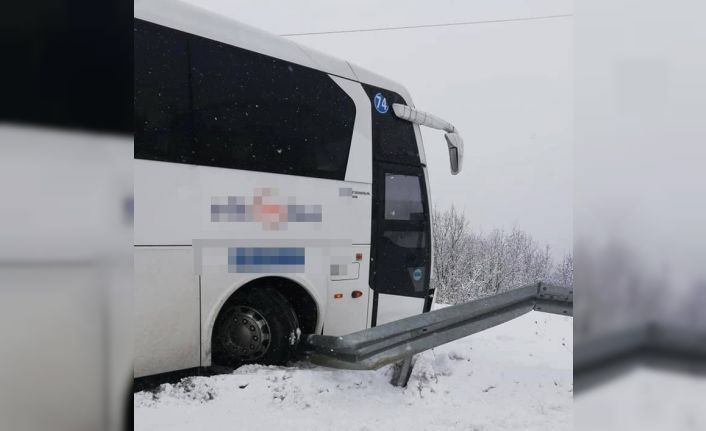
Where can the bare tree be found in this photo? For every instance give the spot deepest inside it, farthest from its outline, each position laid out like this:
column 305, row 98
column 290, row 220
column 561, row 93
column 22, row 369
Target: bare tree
column 450, row 236
column 470, row 265
column 563, row 274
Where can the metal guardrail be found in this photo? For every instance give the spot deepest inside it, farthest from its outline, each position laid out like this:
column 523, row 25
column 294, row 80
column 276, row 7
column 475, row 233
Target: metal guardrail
column 397, row 341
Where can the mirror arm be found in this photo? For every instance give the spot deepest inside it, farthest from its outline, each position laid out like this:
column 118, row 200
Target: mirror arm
column 453, row 138
column 422, row 118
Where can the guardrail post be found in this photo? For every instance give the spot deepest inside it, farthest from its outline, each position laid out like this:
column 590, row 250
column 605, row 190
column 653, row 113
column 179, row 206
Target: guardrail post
column 403, row 371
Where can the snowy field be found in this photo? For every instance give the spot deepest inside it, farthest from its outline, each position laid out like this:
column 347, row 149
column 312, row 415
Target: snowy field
column 645, row 399
column 517, row 376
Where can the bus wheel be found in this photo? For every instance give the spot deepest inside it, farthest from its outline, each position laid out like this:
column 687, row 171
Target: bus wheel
column 258, row 326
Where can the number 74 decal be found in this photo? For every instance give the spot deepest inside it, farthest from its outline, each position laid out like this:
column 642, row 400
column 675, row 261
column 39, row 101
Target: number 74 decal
column 380, row 103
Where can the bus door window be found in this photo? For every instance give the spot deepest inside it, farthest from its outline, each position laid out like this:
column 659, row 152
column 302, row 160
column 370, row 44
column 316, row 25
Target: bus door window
column 401, row 255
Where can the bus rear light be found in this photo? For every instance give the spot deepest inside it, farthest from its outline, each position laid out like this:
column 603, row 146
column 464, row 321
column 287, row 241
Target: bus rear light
column 356, row 294
column 337, row 296
column 359, row 256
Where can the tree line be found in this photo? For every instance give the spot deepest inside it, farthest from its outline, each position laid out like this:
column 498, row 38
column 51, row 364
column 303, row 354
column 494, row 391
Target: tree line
column 470, row 265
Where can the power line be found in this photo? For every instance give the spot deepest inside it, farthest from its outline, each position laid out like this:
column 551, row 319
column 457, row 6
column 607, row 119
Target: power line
column 450, row 24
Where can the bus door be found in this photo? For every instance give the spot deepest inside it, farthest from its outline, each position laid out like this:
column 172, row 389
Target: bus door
column 401, row 242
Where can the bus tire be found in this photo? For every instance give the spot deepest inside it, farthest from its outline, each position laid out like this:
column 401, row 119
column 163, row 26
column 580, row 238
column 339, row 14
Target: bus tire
column 257, row 326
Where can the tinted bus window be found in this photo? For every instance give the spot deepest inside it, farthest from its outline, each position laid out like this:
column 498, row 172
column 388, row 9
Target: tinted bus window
column 400, row 236
column 403, row 198
column 393, row 139
column 163, row 121
column 203, row 102
column 264, row 114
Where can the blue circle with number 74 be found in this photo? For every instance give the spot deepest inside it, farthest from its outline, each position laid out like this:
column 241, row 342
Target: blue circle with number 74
column 380, row 103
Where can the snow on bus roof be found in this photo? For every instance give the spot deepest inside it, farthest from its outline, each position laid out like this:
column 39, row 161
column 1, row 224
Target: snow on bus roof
column 195, row 20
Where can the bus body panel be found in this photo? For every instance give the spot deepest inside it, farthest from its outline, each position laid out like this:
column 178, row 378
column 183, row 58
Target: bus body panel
column 195, row 20
column 166, row 310
column 360, row 157
column 203, row 232
column 395, row 307
column 173, row 205
column 348, row 314
column 371, row 78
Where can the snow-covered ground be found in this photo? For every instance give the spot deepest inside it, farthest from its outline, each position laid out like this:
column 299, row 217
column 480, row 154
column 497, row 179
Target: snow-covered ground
column 645, row 399
column 514, row 376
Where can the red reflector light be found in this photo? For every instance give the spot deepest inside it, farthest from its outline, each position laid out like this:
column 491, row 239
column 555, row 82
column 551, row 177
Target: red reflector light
column 338, row 296
column 356, row 294
column 359, row 256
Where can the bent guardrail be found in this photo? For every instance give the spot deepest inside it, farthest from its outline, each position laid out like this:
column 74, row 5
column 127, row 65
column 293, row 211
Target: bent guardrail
column 396, row 341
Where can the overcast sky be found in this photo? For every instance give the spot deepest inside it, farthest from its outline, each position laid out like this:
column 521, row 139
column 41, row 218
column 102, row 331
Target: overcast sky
column 506, row 86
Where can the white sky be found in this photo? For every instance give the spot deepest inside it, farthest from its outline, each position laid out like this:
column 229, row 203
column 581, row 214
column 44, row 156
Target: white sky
column 506, row 86
column 640, row 134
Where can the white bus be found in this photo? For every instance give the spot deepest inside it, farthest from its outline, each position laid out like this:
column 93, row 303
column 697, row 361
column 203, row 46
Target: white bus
column 278, row 192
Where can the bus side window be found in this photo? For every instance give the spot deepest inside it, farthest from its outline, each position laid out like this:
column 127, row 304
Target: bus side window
column 403, row 198
column 264, row 114
column 163, row 127
column 200, row 101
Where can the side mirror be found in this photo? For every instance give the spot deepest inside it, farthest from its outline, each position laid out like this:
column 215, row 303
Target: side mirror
column 453, row 139
column 455, row 144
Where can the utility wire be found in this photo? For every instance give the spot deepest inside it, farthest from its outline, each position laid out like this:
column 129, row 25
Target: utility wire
column 450, row 24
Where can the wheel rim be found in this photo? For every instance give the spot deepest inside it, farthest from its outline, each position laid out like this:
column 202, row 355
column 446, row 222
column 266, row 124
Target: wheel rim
column 247, row 334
